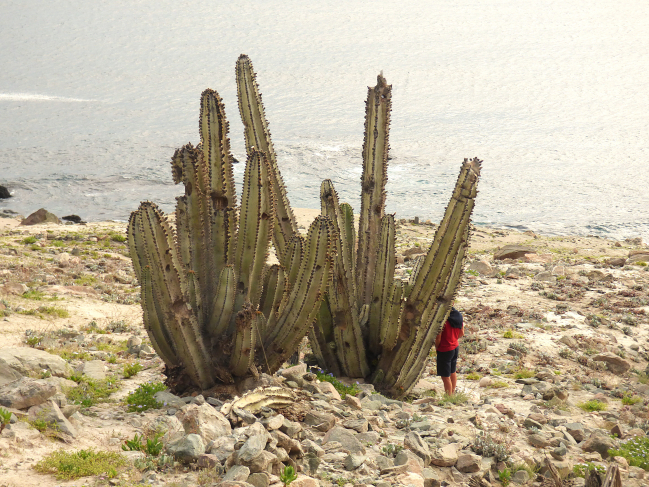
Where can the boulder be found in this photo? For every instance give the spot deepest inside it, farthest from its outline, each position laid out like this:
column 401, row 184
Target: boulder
column 445, row 456
column 25, row 392
column 469, row 463
column 598, row 442
column 638, row 256
column 304, row 481
column 93, row 369
column 353, row 461
column 15, row 288
column 52, row 415
column 358, row 425
column 259, row 479
column 32, row 361
column 237, row 472
column 7, row 374
column 513, row 252
column 222, row 447
column 252, row 447
column 521, row 477
column 4, row 193
column 204, row 421
column 134, row 343
column 576, row 430
column 482, row 267
column 345, row 438
column 187, row 449
column 617, row 365
column 320, row 421
column 295, row 373
column 328, row 388
column 166, row 398
column 419, row 447
column 40, row 216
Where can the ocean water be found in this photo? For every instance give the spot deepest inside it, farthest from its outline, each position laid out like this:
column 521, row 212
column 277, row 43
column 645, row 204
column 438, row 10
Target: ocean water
column 552, row 95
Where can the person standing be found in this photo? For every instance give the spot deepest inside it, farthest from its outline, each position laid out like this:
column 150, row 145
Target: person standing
column 447, row 345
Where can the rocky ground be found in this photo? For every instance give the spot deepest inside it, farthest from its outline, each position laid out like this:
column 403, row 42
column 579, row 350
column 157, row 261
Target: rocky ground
column 553, row 323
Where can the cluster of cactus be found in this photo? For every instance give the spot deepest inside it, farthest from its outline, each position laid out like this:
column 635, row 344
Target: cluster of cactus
column 215, row 311
column 370, row 324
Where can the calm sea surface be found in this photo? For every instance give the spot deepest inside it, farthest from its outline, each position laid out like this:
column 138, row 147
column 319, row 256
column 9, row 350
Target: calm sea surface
column 552, row 95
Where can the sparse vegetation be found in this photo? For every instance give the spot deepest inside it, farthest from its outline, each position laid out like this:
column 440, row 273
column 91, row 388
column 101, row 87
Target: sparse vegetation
column 70, row 465
column 142, row 398
column 635, row 450
column 342, row 389
column 593, row 405
column 132, row 369
column 90, row 392
column 457, row 398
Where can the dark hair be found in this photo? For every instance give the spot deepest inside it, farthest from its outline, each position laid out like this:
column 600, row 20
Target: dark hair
column 455, row 319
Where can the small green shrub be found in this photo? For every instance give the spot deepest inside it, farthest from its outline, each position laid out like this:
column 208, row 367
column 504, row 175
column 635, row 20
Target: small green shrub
column 86, row 280
column 457, row 398
column 29, row 240
column 565, row 353
column 5, row 418
column 487, row 445
column 630, row 399
column 580, row 469
column 512, row 334
column 519, row 347
column 142, row 398
column 499, row 384
column 66, row 465
column 131, row 369
column 342, row 389
column 635, row 450
column 593, row 405
column 391, row 450
column 524, row 374
column 473, row 376
column 287, row 475
column 90, row 392
column 505, row 476
column 58, row 243
column 118, row 237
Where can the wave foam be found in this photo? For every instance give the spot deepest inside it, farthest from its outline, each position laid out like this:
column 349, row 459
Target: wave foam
column 37, row 97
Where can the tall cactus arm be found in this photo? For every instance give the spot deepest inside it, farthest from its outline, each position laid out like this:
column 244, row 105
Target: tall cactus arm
column 153, row 317
column 383, row 277
column 322, row 342
column 153, row 240
column 257, row 137
column 223, row 304
column 292, row 323
column 434, row 287
column 293, row 258
column 390, row 320
column 375, row 163
column 183, row 244
column 350, row 349
column 348, row 233
column 194, row 228
column 213, row 129
column 243, row 348
column 255, row 230
column 273, row 291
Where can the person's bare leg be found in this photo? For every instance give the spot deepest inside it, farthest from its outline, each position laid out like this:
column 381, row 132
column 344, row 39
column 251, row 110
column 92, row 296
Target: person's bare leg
column 453, row 381
column 448, row 387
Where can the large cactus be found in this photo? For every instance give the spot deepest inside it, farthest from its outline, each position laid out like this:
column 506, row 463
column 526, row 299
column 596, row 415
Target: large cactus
column 371, row 325
column 214, row 310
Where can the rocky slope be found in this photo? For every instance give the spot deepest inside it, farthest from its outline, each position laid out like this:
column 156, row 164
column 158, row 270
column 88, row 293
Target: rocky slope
column 552, row 323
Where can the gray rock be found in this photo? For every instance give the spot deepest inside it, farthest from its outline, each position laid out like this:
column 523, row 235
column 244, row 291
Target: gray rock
column 530, row 423
column 252, row 447
column 482, row 267
column 94, row 369
column 7, row 374
column 259, row 480
column 383, row 462
column 559, row 452
column 513, row 252
column 576, row 430
column 320, row 421
column 187, row 449
column 415, row 444
column 468, row 463
column 445, row 456
column 617, row 365
column 295, row 373
column 345, row 438
column 598, row 442
column 207, row 461
column 236, row 473
column 352, row 461
column 222, row 447
column 204, row 420
column 29, row 361
column 133, row 345
column 167, row 399
column 25, row 392
column 538, row 441
column 52, row 415
column 245, row 416
column 41, row 216
column 521, row 477
column 358, row 425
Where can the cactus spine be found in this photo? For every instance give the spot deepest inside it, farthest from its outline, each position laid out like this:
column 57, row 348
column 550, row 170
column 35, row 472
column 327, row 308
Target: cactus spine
column 214, row 310
column 371, row 325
